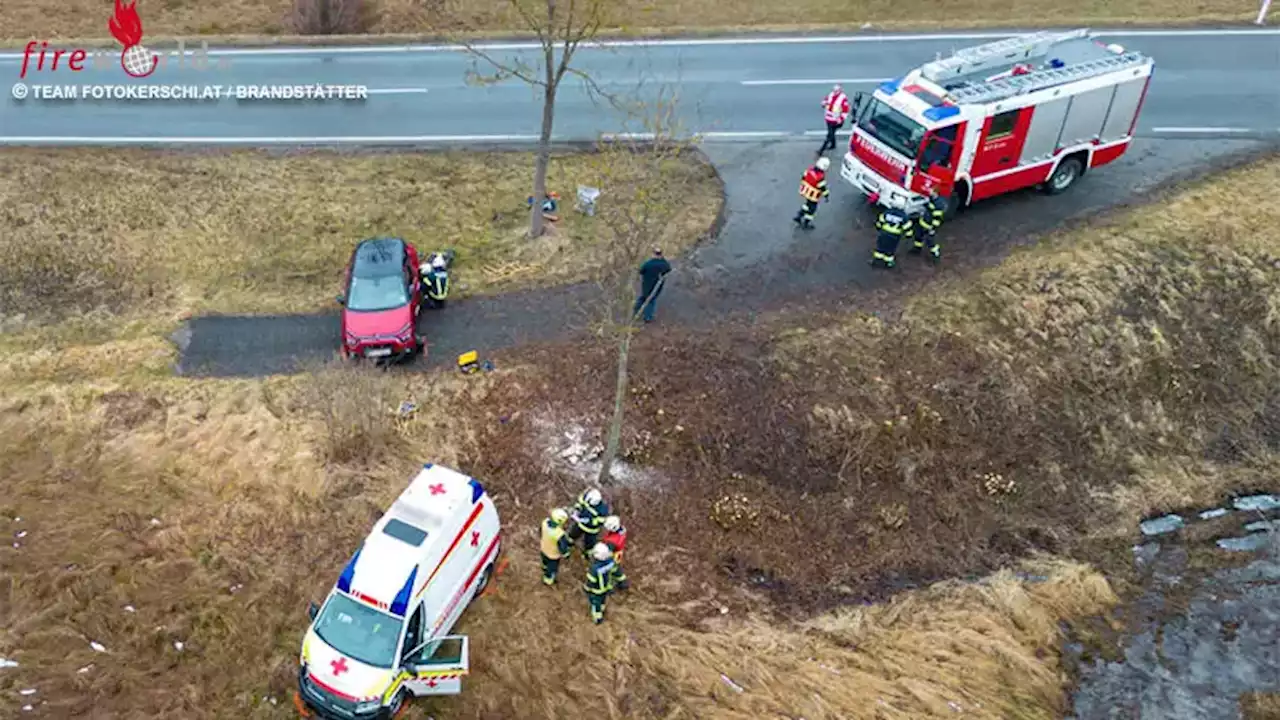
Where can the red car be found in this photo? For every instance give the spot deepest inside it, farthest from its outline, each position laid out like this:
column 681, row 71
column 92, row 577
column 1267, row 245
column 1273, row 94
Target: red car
column 381, row 301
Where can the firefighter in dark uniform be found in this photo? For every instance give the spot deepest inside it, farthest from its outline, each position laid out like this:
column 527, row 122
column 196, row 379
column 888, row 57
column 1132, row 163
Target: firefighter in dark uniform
column 435, row 280
column 813, row 187
column 891, row 227
column 589, row 514
column 926, row 235
column 599, row 580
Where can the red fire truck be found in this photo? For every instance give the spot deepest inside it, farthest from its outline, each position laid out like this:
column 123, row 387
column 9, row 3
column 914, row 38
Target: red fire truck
column 1033, row 110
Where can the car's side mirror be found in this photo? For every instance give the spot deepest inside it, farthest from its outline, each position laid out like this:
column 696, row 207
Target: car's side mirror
column 313, row 610
column 341, row 299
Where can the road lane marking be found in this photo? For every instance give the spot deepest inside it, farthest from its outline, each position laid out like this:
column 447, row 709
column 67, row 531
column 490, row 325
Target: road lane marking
column 697, row 42
column 1202, row 130
column 852, row 81
column 823, row 133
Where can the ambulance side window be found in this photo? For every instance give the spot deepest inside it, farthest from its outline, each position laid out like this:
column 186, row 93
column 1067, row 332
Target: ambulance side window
column 413, row 636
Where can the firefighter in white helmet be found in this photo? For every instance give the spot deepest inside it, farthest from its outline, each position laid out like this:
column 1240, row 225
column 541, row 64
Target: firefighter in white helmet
column 555, row 544
column 588, row 515
column 435, row 280
column 813, row 187
column 599, row 580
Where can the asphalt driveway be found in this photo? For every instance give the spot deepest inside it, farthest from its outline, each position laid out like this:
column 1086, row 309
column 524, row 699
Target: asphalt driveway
column 758, row 263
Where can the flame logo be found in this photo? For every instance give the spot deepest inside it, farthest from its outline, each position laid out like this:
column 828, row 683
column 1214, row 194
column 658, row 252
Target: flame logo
column 126, row 26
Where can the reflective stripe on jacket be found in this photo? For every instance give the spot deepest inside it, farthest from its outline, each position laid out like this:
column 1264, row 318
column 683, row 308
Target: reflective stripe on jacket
column 813, row 186
column 555, row 544
column 599, row 577
column 836, row 107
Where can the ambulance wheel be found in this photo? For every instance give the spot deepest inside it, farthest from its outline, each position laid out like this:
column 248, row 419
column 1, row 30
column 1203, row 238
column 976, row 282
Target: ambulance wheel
column 1066, row 174
column 485, row 576
column 397, row 705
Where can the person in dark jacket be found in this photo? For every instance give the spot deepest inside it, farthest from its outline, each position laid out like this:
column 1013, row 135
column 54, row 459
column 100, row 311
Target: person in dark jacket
column 652, row 275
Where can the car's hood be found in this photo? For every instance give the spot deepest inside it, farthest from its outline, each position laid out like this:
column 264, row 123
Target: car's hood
column 385, row 322
column 339, row 673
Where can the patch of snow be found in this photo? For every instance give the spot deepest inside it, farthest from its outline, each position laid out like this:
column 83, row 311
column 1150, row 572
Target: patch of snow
column 1214, row 513
column 576, row 452
column 28, row 691
column 178, row 645
column 1247, row 543
column 130, row 608
column 98, row 646
column 1161, row 525
column 1269, row 525
column 85, row 669
column 1261, row 503
column 27, row 708
column 6, row 663
column 21, row 535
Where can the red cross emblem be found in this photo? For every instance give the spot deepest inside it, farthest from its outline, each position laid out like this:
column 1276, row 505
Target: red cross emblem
column 339, row 666
column 437, row 489
column 475, row 539
column 431, row 682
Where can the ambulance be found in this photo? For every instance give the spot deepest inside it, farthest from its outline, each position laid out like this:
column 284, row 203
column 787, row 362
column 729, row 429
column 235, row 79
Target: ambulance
column 382, row 634
column 1033, row 110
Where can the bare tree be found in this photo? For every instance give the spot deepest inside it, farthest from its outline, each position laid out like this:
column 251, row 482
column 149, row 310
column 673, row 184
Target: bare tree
column 560, row 28
column 641, row 200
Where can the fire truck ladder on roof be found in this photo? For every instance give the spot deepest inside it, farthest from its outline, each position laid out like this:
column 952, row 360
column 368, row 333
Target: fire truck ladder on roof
column 1018, row 84
column 997, row 54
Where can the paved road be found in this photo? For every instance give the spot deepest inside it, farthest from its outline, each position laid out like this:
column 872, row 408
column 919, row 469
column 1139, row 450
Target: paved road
column 1208, row 83
column 759, row 263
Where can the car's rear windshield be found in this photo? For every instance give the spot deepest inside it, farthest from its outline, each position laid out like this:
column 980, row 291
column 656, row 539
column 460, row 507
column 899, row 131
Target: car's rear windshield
column 359, row 631
column 372, row 294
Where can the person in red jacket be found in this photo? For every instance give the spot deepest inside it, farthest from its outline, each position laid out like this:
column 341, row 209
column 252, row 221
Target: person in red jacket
column 835, row 109
column 615, row 536
column 813, row 188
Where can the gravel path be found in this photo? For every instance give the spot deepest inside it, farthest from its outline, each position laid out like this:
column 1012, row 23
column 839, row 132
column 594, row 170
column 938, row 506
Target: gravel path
column 759, row 263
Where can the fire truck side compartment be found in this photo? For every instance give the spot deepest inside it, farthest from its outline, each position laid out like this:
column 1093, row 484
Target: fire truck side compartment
column 1046, row 126
column 1123, row 107
column 1085, row 116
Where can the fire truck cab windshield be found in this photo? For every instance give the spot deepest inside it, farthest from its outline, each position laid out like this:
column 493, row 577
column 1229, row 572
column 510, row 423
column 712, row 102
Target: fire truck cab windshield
column 899, row 132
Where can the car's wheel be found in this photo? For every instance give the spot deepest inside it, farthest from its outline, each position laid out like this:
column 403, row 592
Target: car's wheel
column 485, row 576
column 1064, row 176
column 397, row 705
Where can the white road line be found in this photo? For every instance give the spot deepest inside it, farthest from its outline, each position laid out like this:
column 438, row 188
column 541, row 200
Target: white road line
column 397, row 91
column 823, row 133
column 698, row 42
column 1202, row 130
column 743, row 135
column 851, row 81
column 339, row 140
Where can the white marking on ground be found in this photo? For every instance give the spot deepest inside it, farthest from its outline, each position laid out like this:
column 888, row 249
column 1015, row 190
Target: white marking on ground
column 850, row 81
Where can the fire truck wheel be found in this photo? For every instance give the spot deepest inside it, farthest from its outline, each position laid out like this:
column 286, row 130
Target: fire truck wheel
column 1066, row 174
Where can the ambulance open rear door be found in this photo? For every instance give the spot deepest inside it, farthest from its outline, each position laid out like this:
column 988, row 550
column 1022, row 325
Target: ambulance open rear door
column 439, row 666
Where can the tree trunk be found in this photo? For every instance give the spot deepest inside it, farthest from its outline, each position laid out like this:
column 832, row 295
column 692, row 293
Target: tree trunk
column 536, row 222
column 614, row 437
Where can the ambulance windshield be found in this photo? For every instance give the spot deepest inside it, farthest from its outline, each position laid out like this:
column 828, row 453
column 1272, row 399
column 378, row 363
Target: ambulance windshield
column 899, row 132
column 359, row 631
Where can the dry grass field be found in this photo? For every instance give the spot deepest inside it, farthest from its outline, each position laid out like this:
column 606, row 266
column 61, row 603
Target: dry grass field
column 1025, row 418
column 181, row 18
column 166, row 234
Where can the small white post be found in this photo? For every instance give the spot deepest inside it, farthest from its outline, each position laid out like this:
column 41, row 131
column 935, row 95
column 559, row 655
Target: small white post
column 1262, row 13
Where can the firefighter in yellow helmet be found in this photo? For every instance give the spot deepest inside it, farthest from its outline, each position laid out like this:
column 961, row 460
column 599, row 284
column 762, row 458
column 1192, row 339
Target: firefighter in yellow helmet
column 555, row 544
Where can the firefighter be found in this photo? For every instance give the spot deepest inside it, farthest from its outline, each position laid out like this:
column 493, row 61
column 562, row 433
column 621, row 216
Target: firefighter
column 588, row 515
column 891, row 227
column 555, row 544
column 813, row 187
column 599, row 580
column 615, row 537
column 926, row 235
column 435, row 280
column 835, row 109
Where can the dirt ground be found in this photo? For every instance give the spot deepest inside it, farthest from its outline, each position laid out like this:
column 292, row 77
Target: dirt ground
column 177, row 18
column 175, row 233
column 784, row 490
